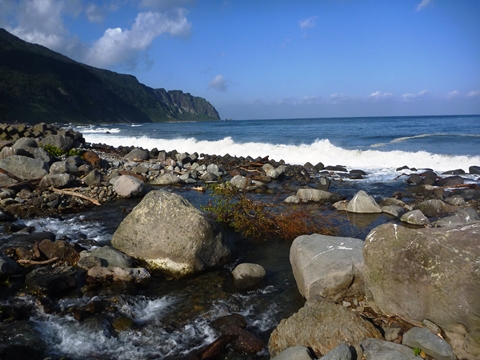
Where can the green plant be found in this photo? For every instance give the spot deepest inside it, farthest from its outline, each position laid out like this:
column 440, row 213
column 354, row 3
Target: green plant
column 419, row 352
column 259, row 220
column 57, row 152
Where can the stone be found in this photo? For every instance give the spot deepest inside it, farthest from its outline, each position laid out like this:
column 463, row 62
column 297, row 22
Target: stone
column 450, row 181
column 60, row 249
column 430, row 343
column 47, row 280
column 393, row 210
column 245, row 342
column 376, row 349
column 474, row 170
column 428, row 273
column 24, row 167
column 362, row 203
column 415, row 217
column 128, row 186
column 8, row 267
column 327, row 267
column 240, row 182
column 57, row 181
column 297, row 352
column 341, row 352
column 62, row 142
column 170, row 235
column 316, row 195
column 461, row 217
column 247, row 276
column 322, row 326
column 139, row 276
column 92, row 178
column 110, row 256
column 323, row 183
column 92, row 158
column 166, row 179
column 137, row 154
column 434, row 208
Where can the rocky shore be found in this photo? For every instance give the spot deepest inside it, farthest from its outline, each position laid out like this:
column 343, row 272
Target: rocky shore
column 410, row 288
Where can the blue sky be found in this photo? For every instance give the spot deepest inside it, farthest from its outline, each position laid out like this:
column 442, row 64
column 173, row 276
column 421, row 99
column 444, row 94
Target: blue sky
column 268, row 59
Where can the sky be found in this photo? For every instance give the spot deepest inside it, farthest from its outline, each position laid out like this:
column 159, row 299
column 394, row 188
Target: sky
column 267, row 59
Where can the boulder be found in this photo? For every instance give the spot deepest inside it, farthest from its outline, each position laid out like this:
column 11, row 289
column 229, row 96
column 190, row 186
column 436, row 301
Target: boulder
column 170, row 235
column 315, row 195
column 450, row 181
column 461, row 217
column 434, row 208
column 92, row 178
column 62, row 142
column 430, row 343
column 24, row 167
column 128, row 186
column 474, row 169
column 48, row 280
column 297, row 352
column 327, row 267
column 362, row 203
column 56, row 181
column 109, row 256
column 428, row 273
column 322, row 326
column 240, row 182
column 166, row 179
column 92, row 158
column 246, row 276
column 415, row 217
column 393, row 210
column 137, row 154
column 341, row 352
column 376, row 349
column 60, row 249
column 245, row 342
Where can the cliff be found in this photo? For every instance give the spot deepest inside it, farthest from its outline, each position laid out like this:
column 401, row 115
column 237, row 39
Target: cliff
column 37, row 84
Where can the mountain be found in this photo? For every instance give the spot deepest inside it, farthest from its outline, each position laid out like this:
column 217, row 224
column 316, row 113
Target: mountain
column 37, row 84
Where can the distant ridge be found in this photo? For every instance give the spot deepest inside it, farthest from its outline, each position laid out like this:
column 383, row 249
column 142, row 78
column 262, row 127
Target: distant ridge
column 37, row 84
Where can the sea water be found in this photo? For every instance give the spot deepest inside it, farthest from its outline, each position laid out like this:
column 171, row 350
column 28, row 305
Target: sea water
column 375, row 144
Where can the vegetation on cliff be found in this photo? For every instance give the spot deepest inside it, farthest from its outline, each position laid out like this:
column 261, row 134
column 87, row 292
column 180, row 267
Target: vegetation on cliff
column 38, row 84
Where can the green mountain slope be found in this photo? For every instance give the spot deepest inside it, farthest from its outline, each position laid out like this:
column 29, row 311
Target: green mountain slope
column 37, row 84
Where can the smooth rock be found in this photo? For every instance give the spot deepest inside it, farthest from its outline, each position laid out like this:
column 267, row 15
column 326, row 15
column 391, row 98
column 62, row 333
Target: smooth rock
column 297, row 352
column 376, row 349
column 247, row 276
column 128, row 186
column 430, row 343
column 415, row 217
column 362, row 203
column 327, row 267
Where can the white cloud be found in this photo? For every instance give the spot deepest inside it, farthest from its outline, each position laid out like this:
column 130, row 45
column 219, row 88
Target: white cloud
column 218, row 83
column 423, row 4
column 474, row 93
column 412, row 96
column 162, row 5
column 453, row 94
column 378, row 95
column 118, row 46
column 308, row 23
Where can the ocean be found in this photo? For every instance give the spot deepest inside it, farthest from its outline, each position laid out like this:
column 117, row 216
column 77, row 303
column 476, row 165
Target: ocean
column 375, row 144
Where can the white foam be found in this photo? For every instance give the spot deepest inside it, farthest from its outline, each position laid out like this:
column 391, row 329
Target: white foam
column 319, row 151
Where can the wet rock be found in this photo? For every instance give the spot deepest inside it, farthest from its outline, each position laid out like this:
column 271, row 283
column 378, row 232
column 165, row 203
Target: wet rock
column 461, row 217
column 415, row 217
column 60, row 249
column 232, row 319
column 474, row 170
column 7, row 267
column 49, row 280
column 430, row 343
column 450, row 181
column 376, row 349
column 109, row 256
column 327, row 267
column 21, row 340
column 321, row 326
column 362, row 203
column 139, row 276
column 245, row 342
column 393, row 210
column 408, row 270
column 316, row 195
column 247, row 276
column 169, row 234
column 323, row 183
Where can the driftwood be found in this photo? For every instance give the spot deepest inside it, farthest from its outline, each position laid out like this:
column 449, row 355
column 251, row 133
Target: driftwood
column 33, row 262
column 72, row 193
column 10, row 175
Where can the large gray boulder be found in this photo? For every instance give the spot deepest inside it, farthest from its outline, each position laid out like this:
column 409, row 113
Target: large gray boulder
column 428, row 273
column 24, row 167
column 62, row 142
column 322, row 326
column 376, row 349
column 128, row 186
column 170, row 235
column 432, row 344
column 327, row 266
column 363, row 203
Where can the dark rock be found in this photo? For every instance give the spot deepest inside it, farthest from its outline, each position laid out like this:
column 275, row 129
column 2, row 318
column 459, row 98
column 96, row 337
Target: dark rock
column 60, row 249
column 245, row 341
column 21, row 340
column 450, row 181
column 454, row 172
column 232, row 319
column 49, row 280
column 474, row 170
